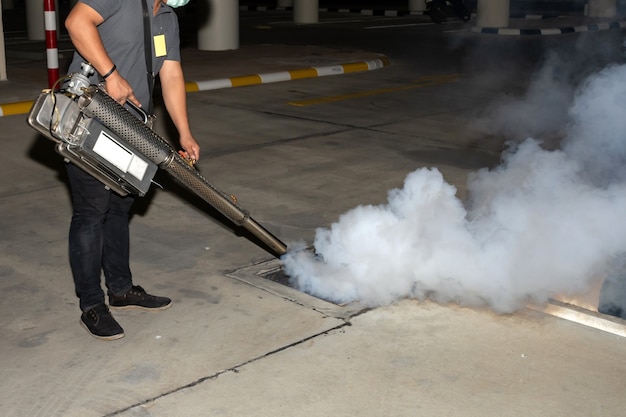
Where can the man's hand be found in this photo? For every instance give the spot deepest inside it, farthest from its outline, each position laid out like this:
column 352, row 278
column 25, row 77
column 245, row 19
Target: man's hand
column 191, row 149
column 119, row 89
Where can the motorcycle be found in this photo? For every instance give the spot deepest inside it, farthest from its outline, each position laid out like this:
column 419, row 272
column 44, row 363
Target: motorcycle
column 440, row 10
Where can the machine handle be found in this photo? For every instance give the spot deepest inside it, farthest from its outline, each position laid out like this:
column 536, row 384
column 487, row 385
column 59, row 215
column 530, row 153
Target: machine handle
column 142, row 113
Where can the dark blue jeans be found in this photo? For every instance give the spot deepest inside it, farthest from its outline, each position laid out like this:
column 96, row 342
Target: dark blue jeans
column 98, row 238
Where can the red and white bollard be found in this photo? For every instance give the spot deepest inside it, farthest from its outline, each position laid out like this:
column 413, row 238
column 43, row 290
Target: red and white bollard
column 52, row 52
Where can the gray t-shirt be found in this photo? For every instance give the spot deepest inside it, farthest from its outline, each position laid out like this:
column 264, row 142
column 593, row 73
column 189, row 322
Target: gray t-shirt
column 122, row 34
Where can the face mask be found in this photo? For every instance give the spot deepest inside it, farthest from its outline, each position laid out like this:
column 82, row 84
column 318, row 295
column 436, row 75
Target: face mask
column 176, row 3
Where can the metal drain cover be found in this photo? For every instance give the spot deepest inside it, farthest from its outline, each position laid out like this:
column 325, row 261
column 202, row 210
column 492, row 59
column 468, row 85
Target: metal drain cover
column 270, row 276
column 279, row 276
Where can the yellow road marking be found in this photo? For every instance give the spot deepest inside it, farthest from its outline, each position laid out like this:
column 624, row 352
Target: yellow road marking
column 426, row 81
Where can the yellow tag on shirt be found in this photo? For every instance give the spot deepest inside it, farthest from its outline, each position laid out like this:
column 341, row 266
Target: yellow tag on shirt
column 159, row 46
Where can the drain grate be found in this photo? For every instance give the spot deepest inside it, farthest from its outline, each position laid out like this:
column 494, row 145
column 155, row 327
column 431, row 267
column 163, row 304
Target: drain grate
column 279, row 276
column 270, row 276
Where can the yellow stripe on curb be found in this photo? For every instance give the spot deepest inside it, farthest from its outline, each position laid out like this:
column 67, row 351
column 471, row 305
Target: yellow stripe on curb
column 19, row 107
column 303, row 73
column 254, row 79
column 246, row 80
column 191, row 87
column 355, row 67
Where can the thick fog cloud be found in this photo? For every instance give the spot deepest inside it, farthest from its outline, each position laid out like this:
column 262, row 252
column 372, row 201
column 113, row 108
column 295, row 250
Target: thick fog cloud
column 544, row 222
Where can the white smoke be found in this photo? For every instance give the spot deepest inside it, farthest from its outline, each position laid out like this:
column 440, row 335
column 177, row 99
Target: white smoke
column 541, row 110
column 544, row 222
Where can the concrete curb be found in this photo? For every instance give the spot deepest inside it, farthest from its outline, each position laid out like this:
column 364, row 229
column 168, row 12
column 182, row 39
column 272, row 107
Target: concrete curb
column 477, row 29
column 382, row 12
column 23, row 107
column 298, row 74
column 594, row 27
column 364, row 12
column 534, row 16
column 375, row 12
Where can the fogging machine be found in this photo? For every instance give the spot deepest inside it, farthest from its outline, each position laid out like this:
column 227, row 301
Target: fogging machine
column 103, row 138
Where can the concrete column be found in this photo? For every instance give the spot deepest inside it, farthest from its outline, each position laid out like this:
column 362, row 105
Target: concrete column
column 417, row 5
column 34, row 20
column 306, row 11
column 218, row 28
column 601, row 8
column 284, row 3
column 493, row 13
column 3, row 61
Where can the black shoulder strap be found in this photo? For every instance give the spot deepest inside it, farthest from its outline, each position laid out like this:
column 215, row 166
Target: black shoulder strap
column 147, row 33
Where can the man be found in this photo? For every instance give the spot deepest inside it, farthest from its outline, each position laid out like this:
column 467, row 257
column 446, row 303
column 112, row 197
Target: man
column 109, row 34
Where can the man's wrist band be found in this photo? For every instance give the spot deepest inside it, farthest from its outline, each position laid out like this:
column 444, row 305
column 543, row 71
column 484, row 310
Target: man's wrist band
column 104, row 77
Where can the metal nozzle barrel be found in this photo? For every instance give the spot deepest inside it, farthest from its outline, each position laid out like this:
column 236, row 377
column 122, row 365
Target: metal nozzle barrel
column 145, row 140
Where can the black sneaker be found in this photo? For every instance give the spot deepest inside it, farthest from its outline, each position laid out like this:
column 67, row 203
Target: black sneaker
column 137, row 297
column 100, row 323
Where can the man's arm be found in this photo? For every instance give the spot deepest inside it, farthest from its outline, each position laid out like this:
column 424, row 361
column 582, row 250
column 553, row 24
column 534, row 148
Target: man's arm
column 82, row 26
column 175, row 98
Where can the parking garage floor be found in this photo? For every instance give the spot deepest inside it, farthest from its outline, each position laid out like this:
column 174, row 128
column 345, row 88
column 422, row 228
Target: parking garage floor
column 235, row 343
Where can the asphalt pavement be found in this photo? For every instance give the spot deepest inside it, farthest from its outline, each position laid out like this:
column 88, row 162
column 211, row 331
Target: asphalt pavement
column 236, row 343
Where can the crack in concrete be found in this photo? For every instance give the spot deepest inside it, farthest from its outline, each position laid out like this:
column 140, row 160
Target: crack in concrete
column 234, row 369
